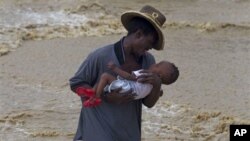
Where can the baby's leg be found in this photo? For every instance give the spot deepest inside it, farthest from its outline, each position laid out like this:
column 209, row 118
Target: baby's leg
column 105, row 79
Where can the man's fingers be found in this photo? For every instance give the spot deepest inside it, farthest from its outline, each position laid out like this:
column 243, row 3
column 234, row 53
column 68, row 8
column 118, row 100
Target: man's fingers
column 145, row 79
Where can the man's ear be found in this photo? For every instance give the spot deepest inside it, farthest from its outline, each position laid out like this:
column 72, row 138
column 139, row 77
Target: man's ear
column 138, row 33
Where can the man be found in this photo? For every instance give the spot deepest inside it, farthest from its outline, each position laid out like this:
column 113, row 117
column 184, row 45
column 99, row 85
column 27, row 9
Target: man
column 118, row 118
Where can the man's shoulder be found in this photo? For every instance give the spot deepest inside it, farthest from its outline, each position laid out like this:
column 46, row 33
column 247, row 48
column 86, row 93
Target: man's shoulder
column 105, row 48
column 103, row 51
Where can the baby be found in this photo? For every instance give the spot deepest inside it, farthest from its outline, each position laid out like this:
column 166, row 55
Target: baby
column 167, row 72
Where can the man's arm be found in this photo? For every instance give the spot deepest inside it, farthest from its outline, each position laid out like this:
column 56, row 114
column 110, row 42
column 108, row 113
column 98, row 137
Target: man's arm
column 73, row 88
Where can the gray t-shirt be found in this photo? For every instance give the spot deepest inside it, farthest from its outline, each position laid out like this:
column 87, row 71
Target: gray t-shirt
column 108, row 122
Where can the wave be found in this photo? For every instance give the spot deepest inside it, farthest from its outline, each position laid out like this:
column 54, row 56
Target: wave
column 91, row 19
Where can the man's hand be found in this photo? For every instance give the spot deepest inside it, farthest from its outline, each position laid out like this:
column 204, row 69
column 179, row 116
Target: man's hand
column 155, row 93
column 148, row 77
column 119, row 98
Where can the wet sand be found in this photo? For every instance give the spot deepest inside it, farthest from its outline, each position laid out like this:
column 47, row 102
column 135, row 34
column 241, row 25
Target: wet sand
column 211, row 50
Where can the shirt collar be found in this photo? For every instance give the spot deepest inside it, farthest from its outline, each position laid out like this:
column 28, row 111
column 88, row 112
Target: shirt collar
column 119, row 51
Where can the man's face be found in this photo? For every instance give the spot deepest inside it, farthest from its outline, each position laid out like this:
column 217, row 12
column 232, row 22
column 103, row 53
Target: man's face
column 143, row 43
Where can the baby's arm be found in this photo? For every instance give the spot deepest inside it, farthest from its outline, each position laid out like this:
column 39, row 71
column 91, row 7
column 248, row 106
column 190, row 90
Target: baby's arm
column 121, row 72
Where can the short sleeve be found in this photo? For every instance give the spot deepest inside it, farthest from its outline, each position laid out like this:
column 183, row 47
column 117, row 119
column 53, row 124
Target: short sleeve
column 148, row 60
column 87, row 73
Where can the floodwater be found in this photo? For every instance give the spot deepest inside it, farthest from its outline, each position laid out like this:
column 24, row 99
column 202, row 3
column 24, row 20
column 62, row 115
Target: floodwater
column 41, row 46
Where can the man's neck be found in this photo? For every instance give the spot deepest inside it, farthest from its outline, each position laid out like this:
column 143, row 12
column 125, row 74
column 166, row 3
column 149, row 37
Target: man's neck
column 128, row 51
column 126, row 45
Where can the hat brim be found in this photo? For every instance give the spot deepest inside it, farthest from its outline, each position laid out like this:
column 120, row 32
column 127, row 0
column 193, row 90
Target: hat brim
column 128, row 16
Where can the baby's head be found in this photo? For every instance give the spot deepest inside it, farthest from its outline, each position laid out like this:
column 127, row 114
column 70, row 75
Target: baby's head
column 167, row 71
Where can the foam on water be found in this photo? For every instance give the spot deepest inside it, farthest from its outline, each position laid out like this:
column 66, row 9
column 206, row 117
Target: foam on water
column 31, row 20
column 22, row 18
column 167, row 120
column 30, row 24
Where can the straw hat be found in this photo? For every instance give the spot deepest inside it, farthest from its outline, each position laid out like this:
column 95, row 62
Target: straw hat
column 154, row 16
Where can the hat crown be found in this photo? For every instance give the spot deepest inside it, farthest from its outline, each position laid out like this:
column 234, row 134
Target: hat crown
column 150, row 14
column 155, row 14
